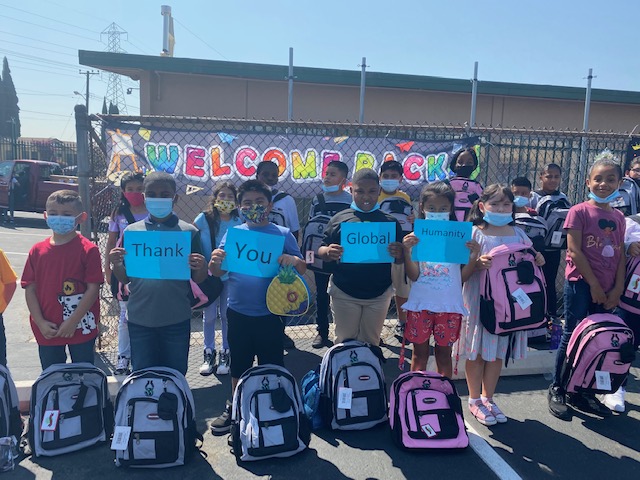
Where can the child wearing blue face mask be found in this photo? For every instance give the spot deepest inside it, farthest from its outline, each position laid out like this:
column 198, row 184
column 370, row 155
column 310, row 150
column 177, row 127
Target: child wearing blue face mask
column 493, row 218
column 435, row 305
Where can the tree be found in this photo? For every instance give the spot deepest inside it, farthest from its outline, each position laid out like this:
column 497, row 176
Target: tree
column 9, row 110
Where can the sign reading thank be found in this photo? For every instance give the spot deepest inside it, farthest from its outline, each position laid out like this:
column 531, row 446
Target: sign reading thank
column 441, row 241
column 159, row 255
column 367, row 242
column 252, row 253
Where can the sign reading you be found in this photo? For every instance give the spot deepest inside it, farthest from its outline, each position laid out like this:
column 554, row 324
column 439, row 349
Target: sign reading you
column 159, row 255
column 367, row 242
column 441, row 241
column 252, row 253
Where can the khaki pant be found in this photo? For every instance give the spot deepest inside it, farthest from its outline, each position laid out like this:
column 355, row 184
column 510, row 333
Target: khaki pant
column 356, row 318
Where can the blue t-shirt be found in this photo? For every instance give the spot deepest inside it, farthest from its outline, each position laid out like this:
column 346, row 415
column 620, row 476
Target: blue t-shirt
column 248, row 294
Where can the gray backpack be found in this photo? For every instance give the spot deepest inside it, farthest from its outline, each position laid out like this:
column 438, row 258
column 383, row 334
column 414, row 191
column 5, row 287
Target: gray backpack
column 157, row 404
column 10, row 420
column 353, row 393
column 267, row 417
column 70, row 409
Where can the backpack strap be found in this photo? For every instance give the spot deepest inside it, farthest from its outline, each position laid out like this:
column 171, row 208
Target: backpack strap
column 505, row 249
column 212, row 230
column 128, row 215
column 279, row 196
column 322, row 204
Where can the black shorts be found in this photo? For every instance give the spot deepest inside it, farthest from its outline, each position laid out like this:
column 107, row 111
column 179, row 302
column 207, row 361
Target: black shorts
column 253, row 336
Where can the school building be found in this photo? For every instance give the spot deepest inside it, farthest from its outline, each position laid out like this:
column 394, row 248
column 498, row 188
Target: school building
column 211, row 88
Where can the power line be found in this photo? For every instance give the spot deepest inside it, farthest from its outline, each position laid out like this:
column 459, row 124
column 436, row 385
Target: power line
column 187, row 29
column 41, row 41
column 49, row 28
column 44, row 113
column 40, row 48
column 48, row 18
column 49, row 72
column 39, row 59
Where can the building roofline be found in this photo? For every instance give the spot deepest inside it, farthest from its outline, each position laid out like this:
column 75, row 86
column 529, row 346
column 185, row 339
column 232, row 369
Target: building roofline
column 133, row 65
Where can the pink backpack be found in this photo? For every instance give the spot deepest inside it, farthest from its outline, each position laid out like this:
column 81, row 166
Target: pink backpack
column 467, row 192
column 599, row 343
column 513, row 291
column 630, row 299
column 425, row 412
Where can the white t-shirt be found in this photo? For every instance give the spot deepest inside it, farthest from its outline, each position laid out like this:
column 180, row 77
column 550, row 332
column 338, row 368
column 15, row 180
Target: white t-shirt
column 285, row 208
column 438, row 289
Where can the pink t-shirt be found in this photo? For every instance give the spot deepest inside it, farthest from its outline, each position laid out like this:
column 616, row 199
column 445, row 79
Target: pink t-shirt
column 602, row 237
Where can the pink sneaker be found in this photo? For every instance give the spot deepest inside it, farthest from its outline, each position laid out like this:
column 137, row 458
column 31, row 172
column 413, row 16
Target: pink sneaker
column 495, row 411
column 482, row 414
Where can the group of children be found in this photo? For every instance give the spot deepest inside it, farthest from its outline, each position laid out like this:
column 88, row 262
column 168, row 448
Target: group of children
column 63, row 274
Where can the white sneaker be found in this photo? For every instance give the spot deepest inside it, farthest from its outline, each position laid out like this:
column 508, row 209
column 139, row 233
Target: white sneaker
column 615, row 401
column 223, row 363
column 209, row 360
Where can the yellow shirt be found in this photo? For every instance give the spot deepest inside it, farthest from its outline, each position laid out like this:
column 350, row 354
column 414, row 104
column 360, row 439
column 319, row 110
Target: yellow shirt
column 398, row 193
column 7, row 276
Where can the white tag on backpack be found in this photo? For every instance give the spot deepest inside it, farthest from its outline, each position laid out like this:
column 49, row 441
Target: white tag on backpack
column 120, row 439
column 428, row 430
column 50, row 420
column 556, row 238
column 603, row 380
column 522, row 298
column 634, row 283
column 310, row 256
column 344, row 398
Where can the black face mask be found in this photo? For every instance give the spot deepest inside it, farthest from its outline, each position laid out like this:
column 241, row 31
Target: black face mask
column 465, row 171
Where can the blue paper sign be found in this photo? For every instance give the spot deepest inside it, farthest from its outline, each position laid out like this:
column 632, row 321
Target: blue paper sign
column 252, row 253
column 441, row 241
column 367, row 242
column 159, row 255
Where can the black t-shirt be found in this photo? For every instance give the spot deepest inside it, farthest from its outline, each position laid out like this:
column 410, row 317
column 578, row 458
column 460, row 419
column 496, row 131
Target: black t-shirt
column 360, row 280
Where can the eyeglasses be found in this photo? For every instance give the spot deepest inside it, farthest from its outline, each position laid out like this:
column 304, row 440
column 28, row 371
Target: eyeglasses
column 636, row 170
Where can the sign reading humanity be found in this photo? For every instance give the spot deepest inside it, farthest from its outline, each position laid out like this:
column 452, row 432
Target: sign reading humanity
column 199, row 158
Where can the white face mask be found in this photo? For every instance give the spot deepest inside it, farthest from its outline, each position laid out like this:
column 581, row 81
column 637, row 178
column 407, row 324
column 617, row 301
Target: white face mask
column 437, row 215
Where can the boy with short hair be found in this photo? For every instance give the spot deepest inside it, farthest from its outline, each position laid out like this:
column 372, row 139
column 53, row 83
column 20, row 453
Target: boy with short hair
column 159, row 309
column 283, row 212
column 397, row 203
column 7, row 289
column 325, row 205
column 62, row 279
column 253, row 331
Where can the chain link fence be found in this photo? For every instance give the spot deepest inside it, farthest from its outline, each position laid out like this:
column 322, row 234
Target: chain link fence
column 123, row 143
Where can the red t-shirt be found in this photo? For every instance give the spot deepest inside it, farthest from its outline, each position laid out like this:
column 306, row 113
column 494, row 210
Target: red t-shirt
column 61, row 274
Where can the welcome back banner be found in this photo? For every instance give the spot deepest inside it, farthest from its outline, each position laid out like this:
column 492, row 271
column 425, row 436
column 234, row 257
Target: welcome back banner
column 197, row 159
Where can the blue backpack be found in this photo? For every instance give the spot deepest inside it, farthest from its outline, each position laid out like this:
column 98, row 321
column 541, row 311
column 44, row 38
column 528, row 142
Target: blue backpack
column 311, row 398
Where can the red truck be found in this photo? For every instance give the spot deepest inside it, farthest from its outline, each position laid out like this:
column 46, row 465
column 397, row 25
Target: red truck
column 36, row 181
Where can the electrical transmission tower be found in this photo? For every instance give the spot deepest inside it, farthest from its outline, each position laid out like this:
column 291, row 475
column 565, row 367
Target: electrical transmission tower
column 115, row 92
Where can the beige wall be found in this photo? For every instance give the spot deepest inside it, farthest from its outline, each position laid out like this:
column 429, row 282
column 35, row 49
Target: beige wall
column 204, row 95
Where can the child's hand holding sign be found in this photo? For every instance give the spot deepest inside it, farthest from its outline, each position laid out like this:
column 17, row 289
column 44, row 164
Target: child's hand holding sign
column 332, row 252
column 396, row 251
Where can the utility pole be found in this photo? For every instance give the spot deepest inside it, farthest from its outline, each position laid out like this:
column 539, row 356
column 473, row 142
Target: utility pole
column 88, row 73
column 363, row 74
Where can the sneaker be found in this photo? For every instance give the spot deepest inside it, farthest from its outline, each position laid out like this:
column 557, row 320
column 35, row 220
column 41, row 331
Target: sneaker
column 209, row 361
column 222, row 424
column 321, row 341
column 398, row 332
column 122, row 367
column 482, row 414
column 558, row 403
column 495, row 411
column 588, row 403
column 287, row 342
column 615, row 401
column 223, row 363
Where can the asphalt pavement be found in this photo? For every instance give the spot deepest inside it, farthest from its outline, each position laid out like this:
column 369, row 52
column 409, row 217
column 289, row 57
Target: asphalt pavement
column 532, row 444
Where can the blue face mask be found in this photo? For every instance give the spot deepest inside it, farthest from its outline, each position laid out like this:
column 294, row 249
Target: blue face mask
column 437, row 216
column 159, row 207
column 497, row 219
column 521, row 201
column 389, row 185
column 61, row 224
column 608, row 199
column 358, row 209
column 330, row 188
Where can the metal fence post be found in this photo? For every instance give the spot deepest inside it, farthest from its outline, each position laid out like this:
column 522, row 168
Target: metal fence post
column 474, row 95
column 362, row 86
column 290, row 79
column 84, row 167
column 582, row 168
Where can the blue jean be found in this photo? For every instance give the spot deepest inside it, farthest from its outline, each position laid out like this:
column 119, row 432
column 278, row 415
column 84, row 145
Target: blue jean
column 577, row 305
column 79, row 352
column 160, row 346
column 219, row 306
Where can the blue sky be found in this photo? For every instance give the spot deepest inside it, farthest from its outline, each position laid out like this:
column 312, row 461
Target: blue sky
column 542, row 42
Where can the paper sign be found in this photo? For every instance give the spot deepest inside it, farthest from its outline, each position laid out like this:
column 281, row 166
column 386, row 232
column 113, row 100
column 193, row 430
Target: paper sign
column 120, row 439
column 441, row 241
column 556, row 238
column 603, row 380
column 522, row 298
column 428, row 430
column 634, row 283
column 50, row 420
column 344, row 398
column 252, row 253
column 310, row 256
column 367, row 242
column 159, row 255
